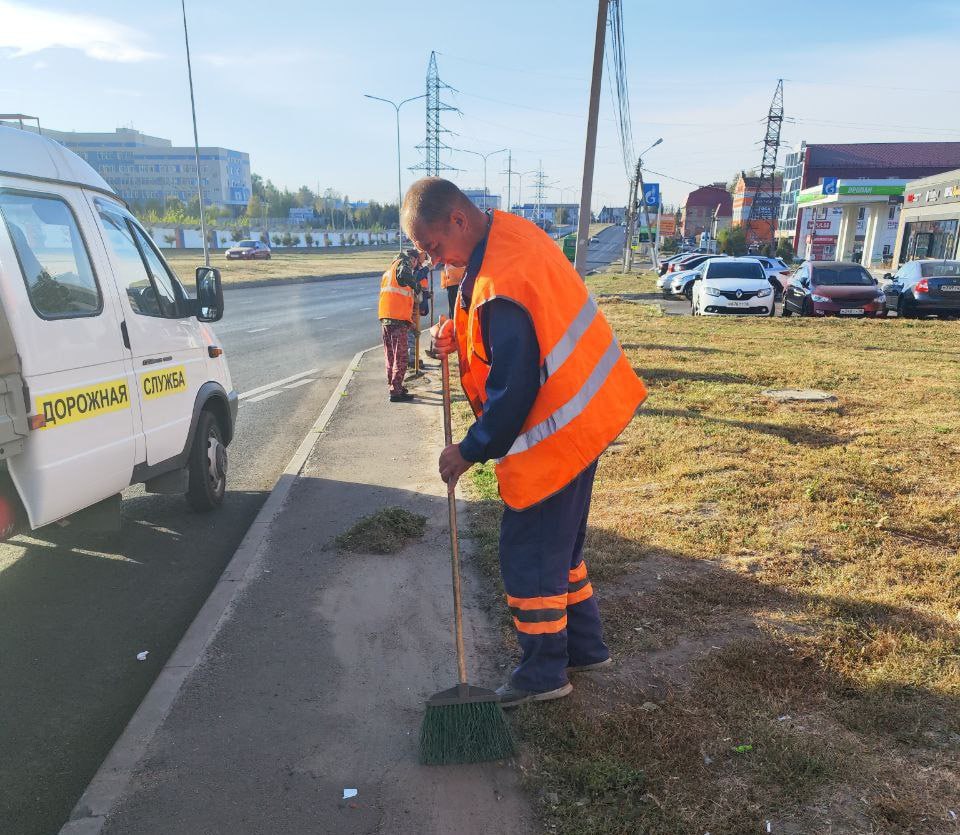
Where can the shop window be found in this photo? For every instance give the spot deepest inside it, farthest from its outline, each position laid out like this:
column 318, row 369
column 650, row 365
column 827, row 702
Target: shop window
column 861, row 212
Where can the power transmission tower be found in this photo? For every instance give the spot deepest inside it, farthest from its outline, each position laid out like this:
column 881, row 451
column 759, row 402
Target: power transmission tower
column 766, row 200
column 539, row 183
column 435, row 106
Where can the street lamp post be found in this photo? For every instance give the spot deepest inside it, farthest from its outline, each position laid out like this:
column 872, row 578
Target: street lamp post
column 484, row 158
column 396, row 106
column 196, row 141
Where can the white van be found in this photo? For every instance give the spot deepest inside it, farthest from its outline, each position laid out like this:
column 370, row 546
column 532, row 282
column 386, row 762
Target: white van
column 108, row 375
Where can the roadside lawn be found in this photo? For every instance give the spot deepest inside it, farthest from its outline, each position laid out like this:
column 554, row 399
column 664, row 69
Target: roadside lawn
column 282, row 265
column 780, row 586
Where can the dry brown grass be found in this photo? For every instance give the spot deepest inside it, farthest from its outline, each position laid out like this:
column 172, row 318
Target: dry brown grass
column 780, row 576
column 283, row 265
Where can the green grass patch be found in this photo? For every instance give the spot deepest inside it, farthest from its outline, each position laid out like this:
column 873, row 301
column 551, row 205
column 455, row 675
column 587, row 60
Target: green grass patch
column 385, row 532
column 783, row 576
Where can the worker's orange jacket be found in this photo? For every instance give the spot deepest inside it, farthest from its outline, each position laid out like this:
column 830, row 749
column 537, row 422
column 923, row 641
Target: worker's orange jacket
column 588, row 390
column 396, row 301
column 451, row 276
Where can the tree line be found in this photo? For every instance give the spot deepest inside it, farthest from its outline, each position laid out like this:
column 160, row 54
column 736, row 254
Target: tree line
column 332, row 209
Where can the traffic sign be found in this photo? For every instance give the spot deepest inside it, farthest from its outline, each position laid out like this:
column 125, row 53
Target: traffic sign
column 829, row 185
column 651, row 194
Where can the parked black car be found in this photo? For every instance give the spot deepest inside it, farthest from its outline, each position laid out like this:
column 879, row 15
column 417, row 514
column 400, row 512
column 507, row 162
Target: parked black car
column 922, row 288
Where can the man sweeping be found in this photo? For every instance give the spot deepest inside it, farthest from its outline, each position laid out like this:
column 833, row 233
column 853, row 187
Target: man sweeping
column 550, row 389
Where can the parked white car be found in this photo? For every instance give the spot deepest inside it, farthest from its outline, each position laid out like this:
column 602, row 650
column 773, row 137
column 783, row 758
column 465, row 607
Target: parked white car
column 733, row 285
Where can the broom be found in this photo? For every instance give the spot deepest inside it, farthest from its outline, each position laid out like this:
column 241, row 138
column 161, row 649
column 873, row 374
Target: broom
column 464, row 724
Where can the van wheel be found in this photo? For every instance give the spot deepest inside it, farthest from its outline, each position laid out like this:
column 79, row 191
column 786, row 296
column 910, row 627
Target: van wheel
column 208, row 465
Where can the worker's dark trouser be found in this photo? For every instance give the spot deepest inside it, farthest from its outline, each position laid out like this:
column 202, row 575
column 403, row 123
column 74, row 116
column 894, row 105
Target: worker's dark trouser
column 548, row 592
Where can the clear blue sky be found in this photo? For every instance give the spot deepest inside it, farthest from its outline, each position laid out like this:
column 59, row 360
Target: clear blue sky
column 285, row 81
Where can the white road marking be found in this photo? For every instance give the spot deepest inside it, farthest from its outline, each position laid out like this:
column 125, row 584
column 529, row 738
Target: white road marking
column 258, row 330
column 362, row 309
column 263, row 396
column 277, row 383
column 299, row 383
column 319, row 318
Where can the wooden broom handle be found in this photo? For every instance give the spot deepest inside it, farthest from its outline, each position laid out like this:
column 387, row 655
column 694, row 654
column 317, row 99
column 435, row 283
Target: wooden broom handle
column 454, row 542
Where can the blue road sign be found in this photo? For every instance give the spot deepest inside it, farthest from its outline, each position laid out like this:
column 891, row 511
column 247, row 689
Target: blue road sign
column 651, row 194
column 829, row 185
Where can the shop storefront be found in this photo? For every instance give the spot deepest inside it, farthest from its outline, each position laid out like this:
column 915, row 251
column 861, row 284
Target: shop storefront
column 930, row 220
column 844, row 220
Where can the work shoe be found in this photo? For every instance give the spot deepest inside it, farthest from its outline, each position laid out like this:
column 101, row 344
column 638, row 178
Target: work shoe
column 511, row 696
column 588, row 668
column 403, row 397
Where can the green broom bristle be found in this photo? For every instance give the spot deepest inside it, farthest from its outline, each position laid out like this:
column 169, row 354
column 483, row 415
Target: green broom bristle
column 465, row 733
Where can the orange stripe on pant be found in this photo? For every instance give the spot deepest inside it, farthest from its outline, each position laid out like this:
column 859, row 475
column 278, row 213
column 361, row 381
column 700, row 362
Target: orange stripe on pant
column 580, row 594
column 578, row 573
column 556, row 602
column 541, row 628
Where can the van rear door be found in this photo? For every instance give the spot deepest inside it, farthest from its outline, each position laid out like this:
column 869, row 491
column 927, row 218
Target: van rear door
column 64, row 318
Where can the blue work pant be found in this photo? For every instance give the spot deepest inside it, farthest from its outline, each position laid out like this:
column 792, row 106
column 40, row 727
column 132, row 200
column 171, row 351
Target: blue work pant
column 549, row 594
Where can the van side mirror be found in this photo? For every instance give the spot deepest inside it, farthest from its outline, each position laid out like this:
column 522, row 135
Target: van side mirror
column 887, row 276
column 209, row 294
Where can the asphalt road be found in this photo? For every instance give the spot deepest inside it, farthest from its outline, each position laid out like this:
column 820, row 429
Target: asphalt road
column 607, row 248
column 76, row 608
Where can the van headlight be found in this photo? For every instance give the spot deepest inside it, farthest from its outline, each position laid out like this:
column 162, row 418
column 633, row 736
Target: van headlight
column 711, row 291
column 762, row 294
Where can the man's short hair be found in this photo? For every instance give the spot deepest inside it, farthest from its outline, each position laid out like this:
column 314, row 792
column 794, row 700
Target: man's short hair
column 430, row 200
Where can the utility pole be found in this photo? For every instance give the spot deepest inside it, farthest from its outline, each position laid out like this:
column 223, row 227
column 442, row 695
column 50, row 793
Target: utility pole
column 635, row 183
column 509, row 178
column 631, row 219
column 590, row 149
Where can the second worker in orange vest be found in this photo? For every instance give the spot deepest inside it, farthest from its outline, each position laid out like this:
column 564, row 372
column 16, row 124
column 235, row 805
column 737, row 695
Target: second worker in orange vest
column 550, row 389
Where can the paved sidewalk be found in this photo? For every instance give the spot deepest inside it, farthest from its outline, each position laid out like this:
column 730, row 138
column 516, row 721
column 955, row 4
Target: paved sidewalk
column 316, row 683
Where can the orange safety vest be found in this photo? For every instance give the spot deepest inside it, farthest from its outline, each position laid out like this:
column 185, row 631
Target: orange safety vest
column 588, row 390
column 451, row 276
column 396, row 302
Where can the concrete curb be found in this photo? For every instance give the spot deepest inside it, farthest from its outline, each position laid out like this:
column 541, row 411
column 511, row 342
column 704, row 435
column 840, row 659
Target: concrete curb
column 112, row 778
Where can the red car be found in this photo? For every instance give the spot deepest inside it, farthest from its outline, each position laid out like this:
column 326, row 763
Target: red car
column 248, row 251
column 833, row 288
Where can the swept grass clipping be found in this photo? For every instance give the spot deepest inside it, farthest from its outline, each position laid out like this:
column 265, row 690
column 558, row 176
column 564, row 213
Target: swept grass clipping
column 384, row 532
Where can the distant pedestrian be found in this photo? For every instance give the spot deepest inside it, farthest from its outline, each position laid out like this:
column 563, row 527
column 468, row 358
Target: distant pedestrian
column 450, row 279
column 397, row 291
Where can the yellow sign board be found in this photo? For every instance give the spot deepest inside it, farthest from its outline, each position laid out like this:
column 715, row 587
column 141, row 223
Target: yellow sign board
column 154, row 384
column 76, row 404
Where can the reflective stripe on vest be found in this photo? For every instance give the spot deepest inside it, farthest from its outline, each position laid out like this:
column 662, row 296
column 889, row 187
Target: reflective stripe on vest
column 588, row 390
column 573, row 407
